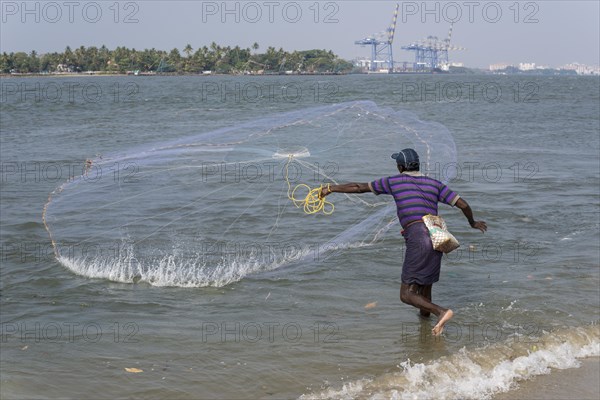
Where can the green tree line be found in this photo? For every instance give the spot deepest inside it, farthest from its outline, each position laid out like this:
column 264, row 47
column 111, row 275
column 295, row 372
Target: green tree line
column 215, row 58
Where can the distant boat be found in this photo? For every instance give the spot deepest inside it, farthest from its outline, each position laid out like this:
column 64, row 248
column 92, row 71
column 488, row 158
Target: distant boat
column 137, row 72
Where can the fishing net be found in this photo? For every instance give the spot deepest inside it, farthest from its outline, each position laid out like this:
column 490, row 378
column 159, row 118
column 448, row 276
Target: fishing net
column 209, row 209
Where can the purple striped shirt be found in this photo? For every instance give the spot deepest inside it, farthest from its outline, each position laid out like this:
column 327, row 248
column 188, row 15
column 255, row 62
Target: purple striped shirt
column 416, row 195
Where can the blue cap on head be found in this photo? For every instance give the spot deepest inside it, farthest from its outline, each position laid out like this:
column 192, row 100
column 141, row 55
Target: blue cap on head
column 406, row 157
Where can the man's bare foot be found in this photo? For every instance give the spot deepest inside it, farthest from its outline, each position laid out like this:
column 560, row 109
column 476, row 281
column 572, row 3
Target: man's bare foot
column 439, row 327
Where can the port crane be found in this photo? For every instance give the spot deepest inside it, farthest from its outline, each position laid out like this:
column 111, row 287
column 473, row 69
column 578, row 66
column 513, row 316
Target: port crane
column 431, row 53
column 381, row 46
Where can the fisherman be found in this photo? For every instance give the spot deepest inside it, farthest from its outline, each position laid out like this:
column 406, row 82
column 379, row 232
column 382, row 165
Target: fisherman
column 416, row 195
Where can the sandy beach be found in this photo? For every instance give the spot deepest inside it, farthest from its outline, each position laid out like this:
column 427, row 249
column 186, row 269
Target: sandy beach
column 581, row 383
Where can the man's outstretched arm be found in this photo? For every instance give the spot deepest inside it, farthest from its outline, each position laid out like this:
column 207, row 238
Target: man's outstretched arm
column 466, row 209
column 346, row 188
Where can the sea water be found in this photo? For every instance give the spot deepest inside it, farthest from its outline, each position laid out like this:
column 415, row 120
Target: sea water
column 525, row 294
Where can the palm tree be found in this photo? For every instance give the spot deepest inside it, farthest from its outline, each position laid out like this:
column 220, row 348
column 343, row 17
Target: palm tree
column 216, row 54
column 92, row 61
column 34, row 62
column 67, row 56
column 80, row 59
column 5, row 63
column 174, row 59
column 21, row 61
column 188, row 50
column 104, row 58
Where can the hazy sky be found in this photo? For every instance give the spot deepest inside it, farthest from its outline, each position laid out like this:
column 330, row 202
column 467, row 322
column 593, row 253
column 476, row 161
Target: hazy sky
column 545, row 32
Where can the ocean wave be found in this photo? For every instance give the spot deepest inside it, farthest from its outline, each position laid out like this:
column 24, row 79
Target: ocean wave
column 475, row 373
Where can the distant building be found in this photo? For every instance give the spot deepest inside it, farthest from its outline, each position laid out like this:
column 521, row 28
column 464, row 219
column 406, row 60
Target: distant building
column 64, row 68
column 582, row 69
column 499, row 67
column 526, row 66
column 577, row 68
column 362, row 63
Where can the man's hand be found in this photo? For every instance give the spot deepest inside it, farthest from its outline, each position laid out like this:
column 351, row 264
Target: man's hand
column 466, row 209
column 324, row 192
column 481, row 225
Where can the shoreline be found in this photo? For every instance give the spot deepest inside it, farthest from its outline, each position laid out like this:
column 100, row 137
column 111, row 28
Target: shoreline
column 151, row 74
column 581, row 383
column 103, row 74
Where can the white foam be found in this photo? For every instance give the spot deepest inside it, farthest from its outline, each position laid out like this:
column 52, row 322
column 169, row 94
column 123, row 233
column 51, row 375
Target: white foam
column 173, row 270
column 476, row 374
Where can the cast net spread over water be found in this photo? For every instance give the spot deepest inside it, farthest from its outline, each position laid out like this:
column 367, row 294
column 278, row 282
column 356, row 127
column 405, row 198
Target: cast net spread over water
column 209, row 209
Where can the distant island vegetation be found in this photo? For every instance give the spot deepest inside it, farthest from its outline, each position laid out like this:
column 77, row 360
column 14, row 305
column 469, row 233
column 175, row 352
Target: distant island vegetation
column 204, row 60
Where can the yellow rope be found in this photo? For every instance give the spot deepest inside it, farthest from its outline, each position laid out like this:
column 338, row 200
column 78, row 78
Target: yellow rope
column 313, row 202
